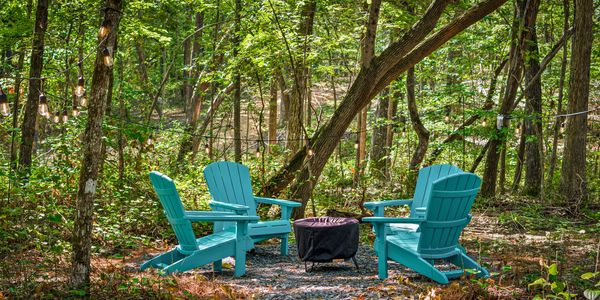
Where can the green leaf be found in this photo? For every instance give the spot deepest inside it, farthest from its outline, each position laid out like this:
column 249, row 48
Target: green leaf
column 553, row 270
column 539, row 281
column 557, row 287
column 506, row 268
column 591, row 294
column 588, row 275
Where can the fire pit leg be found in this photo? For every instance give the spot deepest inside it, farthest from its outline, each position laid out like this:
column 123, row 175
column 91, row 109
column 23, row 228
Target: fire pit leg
column 306, row 269
column 355, row 262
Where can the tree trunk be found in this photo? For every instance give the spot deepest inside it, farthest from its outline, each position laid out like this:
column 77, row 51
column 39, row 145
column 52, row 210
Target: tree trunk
column 532, row 128
column 92, row 147
column 143, row 70
column 397, row 96
column 412, row 47
column 237, row 88
column 378, row 142
column 285, row 98
column 520, row 160
column 524, row 15
column 573, row 183
column 417, row 124
column 298, row 93
column 559, row 110
column 35, row 86
column 273, row 113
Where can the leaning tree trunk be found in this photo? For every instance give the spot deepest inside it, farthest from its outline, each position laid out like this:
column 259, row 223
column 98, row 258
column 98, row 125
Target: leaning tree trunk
column 92, row 148
column 411, row 48
column 525, row 15
column 532, row 124
column 35, row 86
column 573, row 183
column 417, row 124
column 272, row 113
column 404, row 53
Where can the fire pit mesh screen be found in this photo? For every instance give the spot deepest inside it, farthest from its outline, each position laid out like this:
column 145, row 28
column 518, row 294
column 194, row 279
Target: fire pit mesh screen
column 324, row 239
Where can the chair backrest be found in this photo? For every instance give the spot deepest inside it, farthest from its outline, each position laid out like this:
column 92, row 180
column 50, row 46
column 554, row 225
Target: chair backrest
column 229, row 182
column 169, row 198
column 424, row 181
column 447, row 214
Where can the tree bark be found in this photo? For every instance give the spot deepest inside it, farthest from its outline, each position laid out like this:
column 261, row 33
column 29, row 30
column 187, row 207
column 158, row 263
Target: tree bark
column 298, row 92
column 92, row 147
column 143, row 70
column 417, row 124
column 573, row 182
column 559, row 106
column 35, row 87
column 524, row 15
column 412, row 47
column 532, row 128
column 520, row 160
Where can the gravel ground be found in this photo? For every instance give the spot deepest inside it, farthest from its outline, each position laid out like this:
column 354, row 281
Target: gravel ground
column 272, row 276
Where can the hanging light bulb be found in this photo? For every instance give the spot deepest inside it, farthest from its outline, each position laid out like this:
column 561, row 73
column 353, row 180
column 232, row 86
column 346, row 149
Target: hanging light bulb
column 257, row 154
column 43, row 106
column 310, row 152
column 64, row 117
column 75, row 112
column 562, row 127
column 83, row 101
column 107, row 58
column 104, row 29
column 4, row 107
column 206, row 149
column 80, row 89
column 149, row 141
column 484, row 123
column 447, row 119
column 56, row 117
column 518, row 130
column 356, row 144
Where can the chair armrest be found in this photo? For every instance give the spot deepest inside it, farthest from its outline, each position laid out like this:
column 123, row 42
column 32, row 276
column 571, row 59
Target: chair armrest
column 375, row 204
column 217, row 217
column 392, row 220
column 279, row 202
column 235, row 207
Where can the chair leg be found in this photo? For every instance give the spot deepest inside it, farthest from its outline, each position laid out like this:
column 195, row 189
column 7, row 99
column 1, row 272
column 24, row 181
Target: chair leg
column 218, row 265
column 240, row 261
column 284, row 245
column 464, row 261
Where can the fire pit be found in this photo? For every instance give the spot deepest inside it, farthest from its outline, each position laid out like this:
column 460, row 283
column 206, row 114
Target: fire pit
column 326, row 239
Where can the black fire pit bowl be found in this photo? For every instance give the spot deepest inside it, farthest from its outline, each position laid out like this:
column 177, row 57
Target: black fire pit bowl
column 325, row 239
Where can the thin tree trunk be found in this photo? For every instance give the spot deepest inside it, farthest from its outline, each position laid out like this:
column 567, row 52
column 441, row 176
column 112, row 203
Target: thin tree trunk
column 35, row 86
column 397, row 96
column 532, row 124
column 520, row 160
column 480, row 157
column 143, row 70
column 237, row 88
column 298, row 92
column 524, row 15
column 559, row 109
column 378, row 142
column 91, row 161
column 417, row 124
column 502, row 181
column 273, row 113
column 285, row 98
column 573, row 183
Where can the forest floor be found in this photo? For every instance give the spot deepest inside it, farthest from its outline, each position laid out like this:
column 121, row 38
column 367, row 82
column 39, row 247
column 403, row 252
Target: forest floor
column 516, row 249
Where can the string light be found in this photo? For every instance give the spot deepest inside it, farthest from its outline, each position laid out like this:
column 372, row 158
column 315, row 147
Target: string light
column 104, row 29
column 447, row 119
column 4, row 107
column 83, row 100
column 149, row 141
column 518, row 129
column 484, row 123
column 56, row 117
column 75, row 112
column 206, row 149
column 64, row 117
column 107, row 58
column 310, row 152
column 356, row 144
column 80, row 89
column 43, row 106
column 562, row 127
column 257, row 154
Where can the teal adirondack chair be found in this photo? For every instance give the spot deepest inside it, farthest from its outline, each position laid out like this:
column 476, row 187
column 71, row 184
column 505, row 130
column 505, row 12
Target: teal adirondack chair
column 230, row 187
column 192, row 252
column 418, row 203
column 448, row 206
